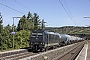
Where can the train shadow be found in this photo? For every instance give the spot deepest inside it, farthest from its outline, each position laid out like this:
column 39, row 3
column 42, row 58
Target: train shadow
column 27, row 48
column 30, row 50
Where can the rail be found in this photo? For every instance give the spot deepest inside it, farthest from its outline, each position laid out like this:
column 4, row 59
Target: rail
column 72, row 54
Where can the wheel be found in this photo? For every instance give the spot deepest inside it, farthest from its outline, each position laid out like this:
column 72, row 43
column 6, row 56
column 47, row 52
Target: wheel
column 46, row 49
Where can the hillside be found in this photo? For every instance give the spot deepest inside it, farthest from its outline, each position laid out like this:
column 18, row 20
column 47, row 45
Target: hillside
column 70, row 30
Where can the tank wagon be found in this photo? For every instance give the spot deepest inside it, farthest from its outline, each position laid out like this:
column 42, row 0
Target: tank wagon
column 41, row 40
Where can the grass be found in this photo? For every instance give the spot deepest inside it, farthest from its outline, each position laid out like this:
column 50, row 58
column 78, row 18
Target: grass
column 82, row 32
column 8, row 50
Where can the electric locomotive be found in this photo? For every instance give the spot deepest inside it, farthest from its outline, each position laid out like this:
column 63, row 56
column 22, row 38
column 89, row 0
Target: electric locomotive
column 42, row 40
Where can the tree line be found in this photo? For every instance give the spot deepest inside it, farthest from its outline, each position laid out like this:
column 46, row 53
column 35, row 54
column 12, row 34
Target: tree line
column 23, row 31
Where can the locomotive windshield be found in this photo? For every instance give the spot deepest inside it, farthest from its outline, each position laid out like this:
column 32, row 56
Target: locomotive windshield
column 34, row 34
column 37, row 34
column 37, row 40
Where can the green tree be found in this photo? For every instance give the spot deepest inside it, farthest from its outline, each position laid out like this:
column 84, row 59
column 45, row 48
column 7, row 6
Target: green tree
column 30, row 21
column 1, row 27
column 7, row 37
column 29, row 16
column 22, row 23
column 36, row 21
column 22, row 39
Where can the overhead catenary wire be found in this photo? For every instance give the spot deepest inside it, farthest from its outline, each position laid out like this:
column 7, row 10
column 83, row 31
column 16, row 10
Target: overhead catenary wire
column 67, row 7
column 5, row 1
column 11, row 8
column 23, row 5
column 66, row 11
column 69, row 11
column 17, row 10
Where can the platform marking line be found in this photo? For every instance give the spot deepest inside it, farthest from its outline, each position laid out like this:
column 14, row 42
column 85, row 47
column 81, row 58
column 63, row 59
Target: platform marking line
column 86, row 51
column 80, row 53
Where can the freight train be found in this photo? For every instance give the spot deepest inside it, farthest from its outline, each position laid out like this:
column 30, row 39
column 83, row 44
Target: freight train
column 42, row 40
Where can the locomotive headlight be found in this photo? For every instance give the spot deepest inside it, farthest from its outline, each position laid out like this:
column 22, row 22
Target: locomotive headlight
column 36, row 38
column 41, row 43
column 31, row 43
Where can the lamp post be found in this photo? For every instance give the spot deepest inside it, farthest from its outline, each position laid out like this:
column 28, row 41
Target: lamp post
column 87, row 17
column 13, row 29
column 43, row 25
column 88, row 26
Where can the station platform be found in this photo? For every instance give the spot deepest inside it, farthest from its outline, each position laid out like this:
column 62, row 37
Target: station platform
column 88, row 51
column 12, row 52
column 85, row 52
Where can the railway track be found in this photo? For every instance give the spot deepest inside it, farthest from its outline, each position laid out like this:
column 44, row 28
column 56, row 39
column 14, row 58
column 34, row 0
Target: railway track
column 24, row 54
column 14, row 54
column 17, row 56
column 72, row 54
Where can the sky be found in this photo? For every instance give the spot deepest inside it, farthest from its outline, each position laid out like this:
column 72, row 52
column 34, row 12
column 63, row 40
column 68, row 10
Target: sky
column 56, row 14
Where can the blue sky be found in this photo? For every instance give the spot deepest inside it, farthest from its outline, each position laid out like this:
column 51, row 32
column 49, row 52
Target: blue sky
column 50, row 10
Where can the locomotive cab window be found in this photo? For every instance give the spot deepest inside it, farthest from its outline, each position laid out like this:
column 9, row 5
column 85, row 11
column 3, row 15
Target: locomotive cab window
column 34, row 34
column 39, row 34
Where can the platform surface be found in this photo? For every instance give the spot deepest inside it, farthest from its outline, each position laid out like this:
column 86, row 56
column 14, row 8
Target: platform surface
column 88, row 51
column 85, row 52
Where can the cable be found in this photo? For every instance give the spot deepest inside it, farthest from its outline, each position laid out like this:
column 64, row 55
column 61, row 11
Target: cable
column 22, row 5
column 67, row 12
column 11, row 8
column 67, row 6
column 4, row 1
